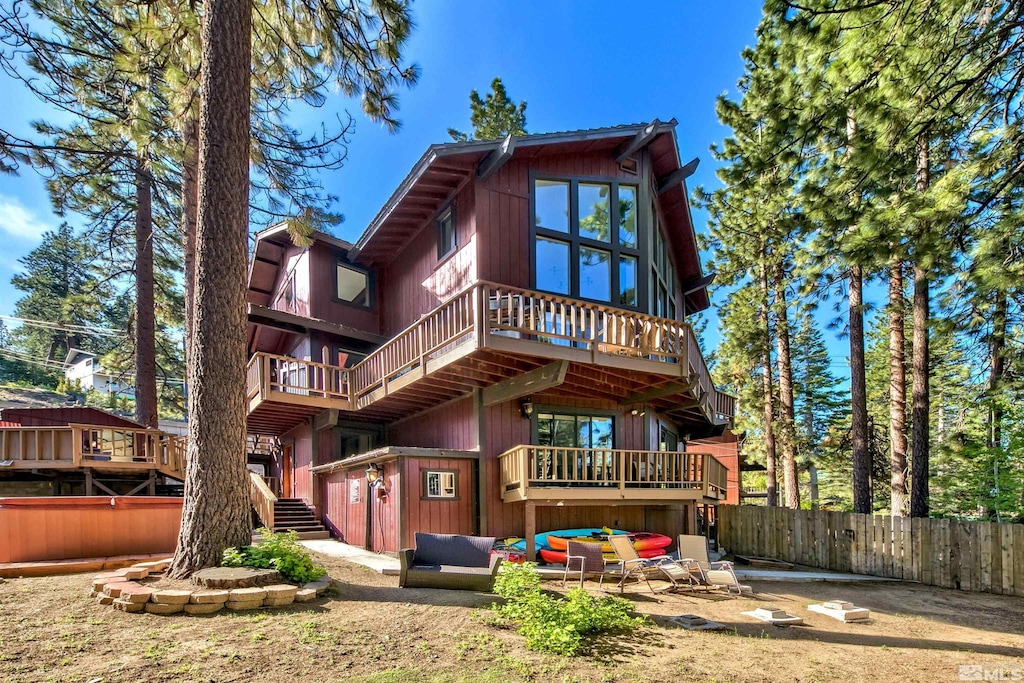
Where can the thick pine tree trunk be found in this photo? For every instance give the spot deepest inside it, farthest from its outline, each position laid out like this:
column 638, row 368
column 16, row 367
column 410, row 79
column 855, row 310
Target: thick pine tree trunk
column 898, row 499
column 146, row 399
column 769, row 408
column 921, row 362
column 858, row 397
column 189, row 212
column 786, row 404
column 216, row 513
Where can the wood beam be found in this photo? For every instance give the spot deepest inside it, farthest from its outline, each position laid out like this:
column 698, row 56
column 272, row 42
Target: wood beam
column 643, row 138
column 269, row 262
column 325, row 419
column 490, row 164
column 675, row 177
column 532, row 382
column 668, row 389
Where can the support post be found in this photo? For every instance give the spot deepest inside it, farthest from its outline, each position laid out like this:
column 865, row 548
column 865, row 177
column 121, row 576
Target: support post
column 531, row 531
column 483, row 462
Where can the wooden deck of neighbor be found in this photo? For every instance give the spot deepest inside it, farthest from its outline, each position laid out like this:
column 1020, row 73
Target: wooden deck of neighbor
column 488, row 333
column 111, row 450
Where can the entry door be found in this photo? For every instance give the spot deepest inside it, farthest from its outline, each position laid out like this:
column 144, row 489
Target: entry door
column 286, row 472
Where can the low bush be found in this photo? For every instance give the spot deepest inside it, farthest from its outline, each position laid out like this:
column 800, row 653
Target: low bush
column 558, row 625
column 280, row 551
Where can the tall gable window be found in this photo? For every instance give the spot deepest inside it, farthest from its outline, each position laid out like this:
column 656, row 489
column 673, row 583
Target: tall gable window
column 663, row 278
column 586, row 242
column 352, row 285
column 446, row 237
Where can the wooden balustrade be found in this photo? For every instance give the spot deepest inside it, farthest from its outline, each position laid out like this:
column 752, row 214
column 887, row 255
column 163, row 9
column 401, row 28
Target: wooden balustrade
column 101, row 447
column 481, row 315
column 407, row 354
column 531, row 472
column 263, row 499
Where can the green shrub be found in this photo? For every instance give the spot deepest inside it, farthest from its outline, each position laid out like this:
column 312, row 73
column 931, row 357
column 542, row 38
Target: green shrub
column 558, row 625
column 276, row 551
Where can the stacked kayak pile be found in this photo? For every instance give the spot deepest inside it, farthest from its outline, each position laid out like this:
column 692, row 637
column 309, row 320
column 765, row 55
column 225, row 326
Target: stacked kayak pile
column 551, row 545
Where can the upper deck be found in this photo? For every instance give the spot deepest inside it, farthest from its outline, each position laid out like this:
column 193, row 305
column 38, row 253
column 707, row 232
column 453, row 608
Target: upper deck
column 487, row 333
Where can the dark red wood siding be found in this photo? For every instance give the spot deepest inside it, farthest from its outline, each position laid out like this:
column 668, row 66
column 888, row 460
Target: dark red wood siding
column 451, row 426
column 324, row 306
column 416, row 282
column 436, row 515
column 346, row 519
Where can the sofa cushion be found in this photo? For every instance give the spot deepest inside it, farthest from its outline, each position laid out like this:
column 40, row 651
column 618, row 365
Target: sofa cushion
column 451, row 569
column 453, row 549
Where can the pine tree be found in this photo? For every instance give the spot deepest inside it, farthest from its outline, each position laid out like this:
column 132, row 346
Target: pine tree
column 494, row 116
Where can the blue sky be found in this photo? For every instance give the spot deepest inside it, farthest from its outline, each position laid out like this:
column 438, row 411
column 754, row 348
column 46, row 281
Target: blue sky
column 577, row 64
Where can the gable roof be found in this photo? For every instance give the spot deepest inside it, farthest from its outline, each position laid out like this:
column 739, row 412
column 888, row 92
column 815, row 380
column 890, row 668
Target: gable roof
column 76, row 355
column 444, row 168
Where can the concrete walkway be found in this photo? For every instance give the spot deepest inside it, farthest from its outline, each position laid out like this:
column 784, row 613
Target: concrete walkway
column 378, row 562
column 388, row 565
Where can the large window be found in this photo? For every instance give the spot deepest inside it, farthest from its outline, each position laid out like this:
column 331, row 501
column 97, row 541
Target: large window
column 352, row 286
column 574, row 431
column 565, row 468
column 663, row 278
column 586, row 240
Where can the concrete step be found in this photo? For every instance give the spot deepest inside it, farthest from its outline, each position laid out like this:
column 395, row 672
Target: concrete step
column 314, row 535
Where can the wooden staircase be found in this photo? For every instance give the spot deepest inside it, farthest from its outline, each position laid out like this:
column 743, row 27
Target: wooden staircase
column 292, row 514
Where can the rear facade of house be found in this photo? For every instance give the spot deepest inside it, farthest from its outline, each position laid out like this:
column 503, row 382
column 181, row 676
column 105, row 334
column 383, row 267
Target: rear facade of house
column 505, row 350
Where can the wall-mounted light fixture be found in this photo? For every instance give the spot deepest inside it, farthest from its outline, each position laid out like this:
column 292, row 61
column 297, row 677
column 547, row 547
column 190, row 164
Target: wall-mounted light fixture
column 373, row 473
column 526, row 406
column 638, row 411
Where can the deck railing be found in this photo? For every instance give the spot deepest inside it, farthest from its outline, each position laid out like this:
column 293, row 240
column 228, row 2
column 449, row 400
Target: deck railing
column 263, row 499
column 80, row 445
column 409, row 351
column 269, row 372
column 525, row 467
column 482, row 314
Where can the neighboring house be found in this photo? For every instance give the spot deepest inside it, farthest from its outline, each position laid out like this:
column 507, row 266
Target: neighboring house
column 504, row 350
column 84, row 367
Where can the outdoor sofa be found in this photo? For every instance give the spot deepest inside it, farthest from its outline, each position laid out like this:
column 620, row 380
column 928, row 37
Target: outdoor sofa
column 449, row 561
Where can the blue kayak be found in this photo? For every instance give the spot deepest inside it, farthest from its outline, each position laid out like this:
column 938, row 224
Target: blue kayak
column 541, row 540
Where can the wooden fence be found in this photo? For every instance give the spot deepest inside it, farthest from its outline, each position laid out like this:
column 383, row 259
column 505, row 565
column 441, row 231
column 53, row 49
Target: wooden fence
column 972, row 556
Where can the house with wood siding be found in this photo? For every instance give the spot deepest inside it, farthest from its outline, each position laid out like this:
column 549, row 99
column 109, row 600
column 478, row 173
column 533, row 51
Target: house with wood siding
column 504, row 351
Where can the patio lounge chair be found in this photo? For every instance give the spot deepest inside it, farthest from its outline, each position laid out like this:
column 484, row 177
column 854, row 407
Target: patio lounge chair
column 634, row 566
column 693, row 551
column 585, row 558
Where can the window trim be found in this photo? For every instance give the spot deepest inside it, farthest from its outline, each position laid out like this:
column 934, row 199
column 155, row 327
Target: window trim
column 575, row 241
column 447, row 212
column 371, row 284
column 655, row 276
column 425, row 489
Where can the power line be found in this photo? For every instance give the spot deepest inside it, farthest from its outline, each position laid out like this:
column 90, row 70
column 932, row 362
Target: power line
column 67, row 327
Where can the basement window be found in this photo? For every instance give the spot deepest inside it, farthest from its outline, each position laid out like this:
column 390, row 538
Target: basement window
column 439, row 484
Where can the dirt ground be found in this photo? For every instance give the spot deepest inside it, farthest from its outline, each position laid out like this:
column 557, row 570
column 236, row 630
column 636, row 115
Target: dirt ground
column 369, row 630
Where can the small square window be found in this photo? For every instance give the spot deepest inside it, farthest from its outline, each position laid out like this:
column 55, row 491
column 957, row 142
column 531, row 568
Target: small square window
column 446, row 239
column 352, row 286
column 439, row 484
